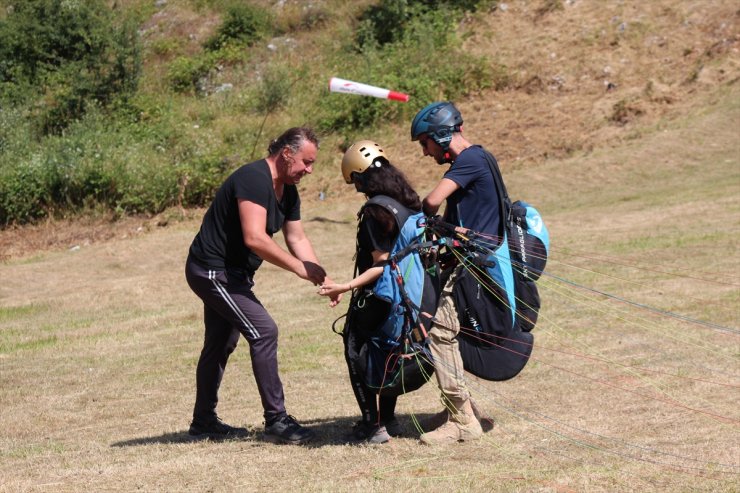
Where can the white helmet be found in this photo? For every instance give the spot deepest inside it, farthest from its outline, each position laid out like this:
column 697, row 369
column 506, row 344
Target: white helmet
column 360, row 156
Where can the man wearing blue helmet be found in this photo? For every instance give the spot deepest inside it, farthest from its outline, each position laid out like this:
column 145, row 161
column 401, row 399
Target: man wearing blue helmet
column 472, row 202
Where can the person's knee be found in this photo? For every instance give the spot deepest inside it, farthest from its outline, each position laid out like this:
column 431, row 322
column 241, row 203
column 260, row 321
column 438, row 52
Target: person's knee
column 440, row 334
column 232, row 342
column 267, row 338
column 270, row 332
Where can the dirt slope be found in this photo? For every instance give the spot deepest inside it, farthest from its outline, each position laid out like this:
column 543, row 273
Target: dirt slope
column 592, row 73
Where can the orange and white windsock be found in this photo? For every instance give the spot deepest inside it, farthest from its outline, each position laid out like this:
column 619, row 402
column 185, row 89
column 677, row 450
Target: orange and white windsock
column 349, row 87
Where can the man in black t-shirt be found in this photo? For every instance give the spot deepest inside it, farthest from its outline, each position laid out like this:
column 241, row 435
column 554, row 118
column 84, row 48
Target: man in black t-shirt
column 256, row 201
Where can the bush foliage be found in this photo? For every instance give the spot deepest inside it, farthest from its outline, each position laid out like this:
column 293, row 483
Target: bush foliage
column 390, row 20
column 243, row 24
column 408, row 46
column 83, row 127
column 68, row 56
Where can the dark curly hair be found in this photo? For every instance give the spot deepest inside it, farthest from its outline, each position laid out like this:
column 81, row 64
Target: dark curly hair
column 390, row 181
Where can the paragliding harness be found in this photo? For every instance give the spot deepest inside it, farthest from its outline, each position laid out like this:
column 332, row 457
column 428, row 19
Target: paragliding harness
column 495, row 292
column 385, row 334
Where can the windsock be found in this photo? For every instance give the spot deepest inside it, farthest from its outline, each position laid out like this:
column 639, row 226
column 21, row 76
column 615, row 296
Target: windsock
column 348, row 87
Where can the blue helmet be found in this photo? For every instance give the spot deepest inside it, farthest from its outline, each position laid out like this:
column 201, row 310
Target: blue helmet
column 438, row 120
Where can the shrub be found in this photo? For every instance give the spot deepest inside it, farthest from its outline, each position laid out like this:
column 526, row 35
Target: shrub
column 274, row 89
column 145, row 186
column 14, row 130
column 23, row 193
column 243, row 24
column 71, row 52
column 186, row 73
column 195, row 74
column 390, row 20
column 201, row 177
column 425, row 62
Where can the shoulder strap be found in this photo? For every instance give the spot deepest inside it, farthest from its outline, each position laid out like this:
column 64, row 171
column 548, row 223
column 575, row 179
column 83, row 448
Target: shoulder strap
column 399, row 211
column 503, row 195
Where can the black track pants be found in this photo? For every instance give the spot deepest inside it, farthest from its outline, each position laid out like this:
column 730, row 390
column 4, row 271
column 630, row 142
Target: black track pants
column 231, row 309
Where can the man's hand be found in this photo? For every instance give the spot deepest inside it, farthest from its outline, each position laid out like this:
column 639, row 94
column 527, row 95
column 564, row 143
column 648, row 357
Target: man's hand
column 312, row 272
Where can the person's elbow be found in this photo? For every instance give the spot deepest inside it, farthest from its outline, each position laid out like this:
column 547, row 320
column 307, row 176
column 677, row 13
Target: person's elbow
column 253, row 241
column 429, row 207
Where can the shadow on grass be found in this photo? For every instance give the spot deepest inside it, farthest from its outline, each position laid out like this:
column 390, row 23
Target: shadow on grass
column 165, row 438
column 329, row 432
column 321, row 219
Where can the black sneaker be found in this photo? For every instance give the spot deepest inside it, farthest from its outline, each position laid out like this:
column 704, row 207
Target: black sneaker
column 216, row 429
column 366, row 432
column 287, row 430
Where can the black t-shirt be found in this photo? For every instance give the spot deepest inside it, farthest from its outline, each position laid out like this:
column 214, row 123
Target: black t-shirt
column 220, row 244
column 371, row 236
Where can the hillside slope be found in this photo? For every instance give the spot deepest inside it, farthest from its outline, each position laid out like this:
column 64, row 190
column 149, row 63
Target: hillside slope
column 591, row 74
column 581, row 76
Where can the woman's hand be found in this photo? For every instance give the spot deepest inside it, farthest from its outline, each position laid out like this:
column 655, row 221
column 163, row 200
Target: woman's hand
column 334, row 290
column 335, row 296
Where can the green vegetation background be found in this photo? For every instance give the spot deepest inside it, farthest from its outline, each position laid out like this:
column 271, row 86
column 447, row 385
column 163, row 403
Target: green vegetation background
column 98, row 116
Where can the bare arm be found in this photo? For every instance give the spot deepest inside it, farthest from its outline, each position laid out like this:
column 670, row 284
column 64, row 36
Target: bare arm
column 298, row 243
column 300, row 246
column 436, row 197
column 368, row 277
column 253, row 218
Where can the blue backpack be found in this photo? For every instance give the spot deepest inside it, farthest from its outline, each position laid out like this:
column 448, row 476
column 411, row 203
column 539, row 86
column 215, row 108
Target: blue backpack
column 402, row 282
column 395, row 359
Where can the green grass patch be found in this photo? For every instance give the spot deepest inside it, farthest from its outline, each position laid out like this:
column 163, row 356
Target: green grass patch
column 28, row 450
column 12, row 313
column 10, row 346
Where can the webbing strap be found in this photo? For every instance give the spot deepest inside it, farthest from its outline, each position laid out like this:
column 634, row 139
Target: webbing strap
column 503, row 195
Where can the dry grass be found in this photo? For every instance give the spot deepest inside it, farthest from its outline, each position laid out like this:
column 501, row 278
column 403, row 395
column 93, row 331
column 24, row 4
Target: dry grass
column 98, row 344
column 98, row 348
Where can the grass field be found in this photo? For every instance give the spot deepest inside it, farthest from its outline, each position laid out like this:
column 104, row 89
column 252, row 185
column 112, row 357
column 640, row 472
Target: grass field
column 98, row 347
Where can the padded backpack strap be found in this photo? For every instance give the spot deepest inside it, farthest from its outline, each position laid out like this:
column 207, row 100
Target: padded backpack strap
column 399, row 211
column 503, row 195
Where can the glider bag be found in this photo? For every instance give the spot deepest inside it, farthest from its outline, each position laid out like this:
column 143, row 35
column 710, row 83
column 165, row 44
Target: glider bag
column 529, row 244
column 492, row 346
column 388, row 363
